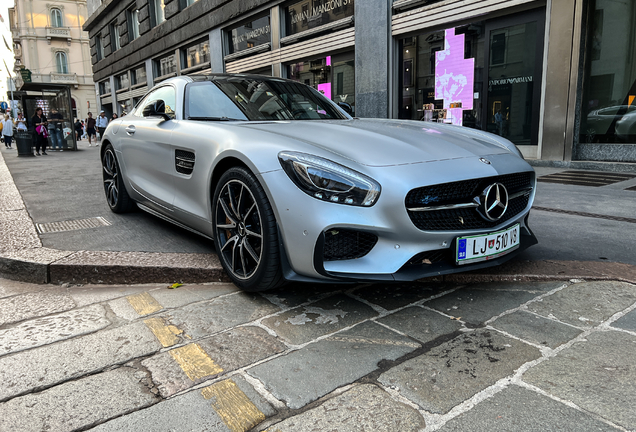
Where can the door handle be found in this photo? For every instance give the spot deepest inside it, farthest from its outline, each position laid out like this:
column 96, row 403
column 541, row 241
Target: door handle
column 130, row 129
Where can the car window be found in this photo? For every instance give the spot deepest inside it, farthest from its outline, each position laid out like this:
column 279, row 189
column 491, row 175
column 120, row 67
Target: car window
column 166, row 94
column 206, row 100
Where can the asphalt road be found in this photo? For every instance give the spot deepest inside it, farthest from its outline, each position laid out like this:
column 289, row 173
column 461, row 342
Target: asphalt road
column 67, row 186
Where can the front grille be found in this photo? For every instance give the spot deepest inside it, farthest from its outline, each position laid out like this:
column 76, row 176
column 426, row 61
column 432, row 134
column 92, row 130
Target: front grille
column 464, row 192
column 345, row 244
column 184, row 161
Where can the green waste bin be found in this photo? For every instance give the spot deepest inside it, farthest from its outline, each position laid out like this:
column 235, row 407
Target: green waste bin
column 24, row 143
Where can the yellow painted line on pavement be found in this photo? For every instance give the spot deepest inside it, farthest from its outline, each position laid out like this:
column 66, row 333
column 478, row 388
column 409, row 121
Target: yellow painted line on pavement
column 167, row 334
column 195, row 362
column 144, row 303
column 235, row 409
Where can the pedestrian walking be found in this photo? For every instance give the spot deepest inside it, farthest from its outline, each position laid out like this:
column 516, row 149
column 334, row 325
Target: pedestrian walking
column 38, row 122
column 90, row 128
column 7, row 130
column 55, row 130
column 102, row 124
column 78, row 129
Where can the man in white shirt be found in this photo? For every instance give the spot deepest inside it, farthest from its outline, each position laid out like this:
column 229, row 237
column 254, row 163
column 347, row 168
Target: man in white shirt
column 101, row 123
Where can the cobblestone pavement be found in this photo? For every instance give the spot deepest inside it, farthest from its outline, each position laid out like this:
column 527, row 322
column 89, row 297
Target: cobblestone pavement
column 522, row 356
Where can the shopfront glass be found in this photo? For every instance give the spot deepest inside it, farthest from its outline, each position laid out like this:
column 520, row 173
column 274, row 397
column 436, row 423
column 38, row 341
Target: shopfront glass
column 56, row 106
column 608, row 108
column 249, row 35
column 332, row 75
column 483, row 75
column 306, row 15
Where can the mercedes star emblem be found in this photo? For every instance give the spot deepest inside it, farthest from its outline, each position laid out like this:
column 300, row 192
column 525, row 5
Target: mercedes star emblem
column 494, row 202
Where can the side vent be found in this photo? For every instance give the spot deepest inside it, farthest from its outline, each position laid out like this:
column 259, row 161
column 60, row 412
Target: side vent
column 184, row 162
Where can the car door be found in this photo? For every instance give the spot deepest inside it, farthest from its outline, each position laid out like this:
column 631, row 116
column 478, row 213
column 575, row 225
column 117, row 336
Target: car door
column 146, row 150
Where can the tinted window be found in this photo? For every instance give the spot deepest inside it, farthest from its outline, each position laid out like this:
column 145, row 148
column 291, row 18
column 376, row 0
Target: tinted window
column 207, row 100
column 166, row 94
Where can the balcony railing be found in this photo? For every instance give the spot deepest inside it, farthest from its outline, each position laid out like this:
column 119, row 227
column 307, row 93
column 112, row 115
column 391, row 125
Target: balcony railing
column 58, row 33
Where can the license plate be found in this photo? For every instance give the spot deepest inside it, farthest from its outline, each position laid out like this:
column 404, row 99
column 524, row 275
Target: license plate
column 487, row 246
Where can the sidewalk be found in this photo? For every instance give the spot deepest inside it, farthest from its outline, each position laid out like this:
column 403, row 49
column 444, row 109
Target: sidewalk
column 56, row 227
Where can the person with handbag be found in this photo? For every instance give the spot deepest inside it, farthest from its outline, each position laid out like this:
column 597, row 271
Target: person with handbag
column 38, row 122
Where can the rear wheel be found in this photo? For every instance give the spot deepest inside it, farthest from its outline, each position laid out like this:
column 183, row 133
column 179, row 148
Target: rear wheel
column 245, row 231
column 116, row 194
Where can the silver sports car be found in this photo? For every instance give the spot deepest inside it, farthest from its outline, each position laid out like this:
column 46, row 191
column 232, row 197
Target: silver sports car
column 290, row 187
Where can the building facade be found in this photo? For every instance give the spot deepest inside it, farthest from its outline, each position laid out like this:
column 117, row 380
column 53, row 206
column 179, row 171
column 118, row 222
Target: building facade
column 53, row 67
column 558, row 78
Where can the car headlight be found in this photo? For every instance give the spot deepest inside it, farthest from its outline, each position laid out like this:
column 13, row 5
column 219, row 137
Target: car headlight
column 328, row 181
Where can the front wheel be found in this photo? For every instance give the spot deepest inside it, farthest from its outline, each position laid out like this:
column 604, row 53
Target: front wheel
column 245, row 231
column 116, row 194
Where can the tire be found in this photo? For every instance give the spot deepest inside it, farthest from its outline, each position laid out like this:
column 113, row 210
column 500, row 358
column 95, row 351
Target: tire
column 116, row 194
column 245, row 232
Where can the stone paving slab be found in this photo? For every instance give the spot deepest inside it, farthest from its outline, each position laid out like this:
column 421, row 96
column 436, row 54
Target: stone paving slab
column 476, row 306
column 627, row 322
column 294, row 294
column 230, row 350
column 395, row 296
column 90, row 294
column 362, row 408
column 29, row 265
column 536, row 329
column 333, row 362
column 518, row 409
column 173, row 298
column 45, row 366
column 9, row 288
column 306, row 323
column 78, row 404
column 54, row 328
column 597, row 374
column 587, row 304
column 206, row 318
column 421, row 324
column 190, row 411
column 17, row 231
column 452, row 372
column 33, row 305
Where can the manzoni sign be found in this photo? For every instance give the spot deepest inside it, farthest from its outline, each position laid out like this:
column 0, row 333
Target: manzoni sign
column 251, row 35
column 324, row 7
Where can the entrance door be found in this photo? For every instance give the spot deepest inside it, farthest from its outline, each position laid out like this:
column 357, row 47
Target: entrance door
column 513, row 88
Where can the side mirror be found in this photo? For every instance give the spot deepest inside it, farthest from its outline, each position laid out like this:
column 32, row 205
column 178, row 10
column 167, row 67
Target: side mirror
column 346, row 107
column 156, row 109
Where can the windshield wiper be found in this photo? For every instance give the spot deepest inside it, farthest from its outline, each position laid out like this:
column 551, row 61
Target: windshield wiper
column 215, row 119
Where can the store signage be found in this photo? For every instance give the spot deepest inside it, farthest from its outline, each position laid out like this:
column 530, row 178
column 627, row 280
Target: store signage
column 305, row 15
column 26, row 75
column 504, row 81
column 250, row 34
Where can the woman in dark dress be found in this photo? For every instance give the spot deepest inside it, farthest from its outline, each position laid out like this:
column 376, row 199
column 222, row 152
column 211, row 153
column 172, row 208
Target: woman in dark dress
column 39, row 119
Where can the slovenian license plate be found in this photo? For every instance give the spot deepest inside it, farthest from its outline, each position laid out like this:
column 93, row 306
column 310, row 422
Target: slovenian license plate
column 487, row 246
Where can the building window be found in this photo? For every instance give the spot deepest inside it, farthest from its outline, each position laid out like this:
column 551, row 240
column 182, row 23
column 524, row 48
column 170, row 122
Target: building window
column 196, row 54
column 165, row 66
column 61, row 61
column 138, row 75
column 122, row 82
column 250, row 34
column 99, row 47
column 158, row 11
column 300, row 16
column 133, row 23
column 114, row 36
column 56, row 18
column 186, row 3
column 104, row 87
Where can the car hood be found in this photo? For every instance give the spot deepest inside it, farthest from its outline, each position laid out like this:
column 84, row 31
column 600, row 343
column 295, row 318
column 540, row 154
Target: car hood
column 378, row 142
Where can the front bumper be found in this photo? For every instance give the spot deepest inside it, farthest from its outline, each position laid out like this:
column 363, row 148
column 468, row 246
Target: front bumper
column 303, row 221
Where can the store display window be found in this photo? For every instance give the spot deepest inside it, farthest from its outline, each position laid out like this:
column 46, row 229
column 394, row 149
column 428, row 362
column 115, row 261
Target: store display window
column 608, row 108
column 249, row 34
column 306, row 15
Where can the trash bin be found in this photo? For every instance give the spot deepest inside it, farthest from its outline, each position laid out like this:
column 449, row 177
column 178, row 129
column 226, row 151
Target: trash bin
column 24, row 143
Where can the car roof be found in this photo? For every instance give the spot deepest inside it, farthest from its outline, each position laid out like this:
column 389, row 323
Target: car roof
column 216, row 76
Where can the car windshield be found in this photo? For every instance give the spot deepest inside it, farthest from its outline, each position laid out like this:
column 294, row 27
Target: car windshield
column 243, row 98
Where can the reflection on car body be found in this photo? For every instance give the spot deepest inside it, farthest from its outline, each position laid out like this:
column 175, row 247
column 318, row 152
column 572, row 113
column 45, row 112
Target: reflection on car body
column 290, row 187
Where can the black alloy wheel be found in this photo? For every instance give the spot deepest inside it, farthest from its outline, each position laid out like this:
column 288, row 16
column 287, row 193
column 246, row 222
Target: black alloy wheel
column 245, row 232
column 116, row 194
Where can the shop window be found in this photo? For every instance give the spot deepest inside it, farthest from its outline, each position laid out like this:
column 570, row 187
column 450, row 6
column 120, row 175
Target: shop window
column 608, row 109
column 165, row 66
column 62, row 62
column 138, row 76
column 56, row 18
column 304, row 15
column 157, row 10
column 122, row 82
column 133, row 23
column 104, row 87
column 251, row 34
column 195, row 55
